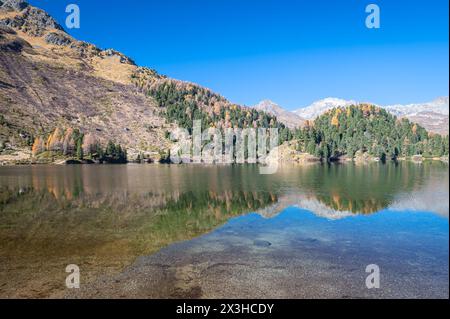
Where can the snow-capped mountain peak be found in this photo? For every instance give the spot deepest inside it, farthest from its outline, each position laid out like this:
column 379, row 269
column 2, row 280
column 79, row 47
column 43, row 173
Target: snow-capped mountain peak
column 434, row 115
column 438, row 106
column 268, row 106
column 319, row 107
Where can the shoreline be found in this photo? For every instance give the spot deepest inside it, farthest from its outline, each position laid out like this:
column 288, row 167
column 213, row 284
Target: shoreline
column 69, row 162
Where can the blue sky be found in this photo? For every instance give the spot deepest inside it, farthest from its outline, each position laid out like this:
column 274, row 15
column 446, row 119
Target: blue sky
column 292, row 52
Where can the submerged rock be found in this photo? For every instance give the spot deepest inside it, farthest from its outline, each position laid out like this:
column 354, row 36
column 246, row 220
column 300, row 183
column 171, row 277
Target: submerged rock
column 262, row 243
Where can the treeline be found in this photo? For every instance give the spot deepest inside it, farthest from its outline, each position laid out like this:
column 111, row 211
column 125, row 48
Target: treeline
column 184, row 102
column 72, row 143
column 368, row 129
column 340, row 132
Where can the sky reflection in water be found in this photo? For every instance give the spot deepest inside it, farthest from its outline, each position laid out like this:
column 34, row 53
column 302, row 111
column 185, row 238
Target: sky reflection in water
column 103, row 218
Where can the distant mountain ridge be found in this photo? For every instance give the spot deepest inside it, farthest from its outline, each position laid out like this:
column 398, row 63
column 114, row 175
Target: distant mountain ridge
column 439, row 105
column 290, row 119
column 434, row 115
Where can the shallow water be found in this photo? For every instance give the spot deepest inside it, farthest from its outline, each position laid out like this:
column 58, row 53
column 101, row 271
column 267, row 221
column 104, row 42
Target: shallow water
column 225, row 231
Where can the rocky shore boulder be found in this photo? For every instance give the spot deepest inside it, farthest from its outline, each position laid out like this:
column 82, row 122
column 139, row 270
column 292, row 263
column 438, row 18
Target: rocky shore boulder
column 287, row 153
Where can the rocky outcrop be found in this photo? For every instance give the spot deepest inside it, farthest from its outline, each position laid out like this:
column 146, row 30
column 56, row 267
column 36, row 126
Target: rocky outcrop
column 10, row 43
column 109, row 53
column 364, row 157
column 13, row 5
column 288, row 154
column 37, row 23
column 58, row 38
column 31, row 20
column 417, row 158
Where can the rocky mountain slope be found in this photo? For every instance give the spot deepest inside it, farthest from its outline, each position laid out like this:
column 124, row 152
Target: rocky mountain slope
column 290, row 119
column 434, row 115
column 50, row 80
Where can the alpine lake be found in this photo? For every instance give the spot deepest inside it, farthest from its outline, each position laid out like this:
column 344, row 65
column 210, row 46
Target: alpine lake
column 199, row 231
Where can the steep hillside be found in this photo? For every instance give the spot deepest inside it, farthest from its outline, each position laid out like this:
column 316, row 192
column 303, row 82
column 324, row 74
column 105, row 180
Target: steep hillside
column 52, row 84
column 49, row 80
column 37, row 96
column 183, row 102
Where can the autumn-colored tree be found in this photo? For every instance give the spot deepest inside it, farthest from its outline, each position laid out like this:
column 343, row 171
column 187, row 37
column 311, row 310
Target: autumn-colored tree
column 55, row 141
column 38, row 147
column 335, row 120
column 217, row 108
column 349, row 112
column 89, row 144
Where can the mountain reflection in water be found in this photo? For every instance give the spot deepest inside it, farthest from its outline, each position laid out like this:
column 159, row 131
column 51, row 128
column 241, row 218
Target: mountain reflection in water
column 103, row 217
